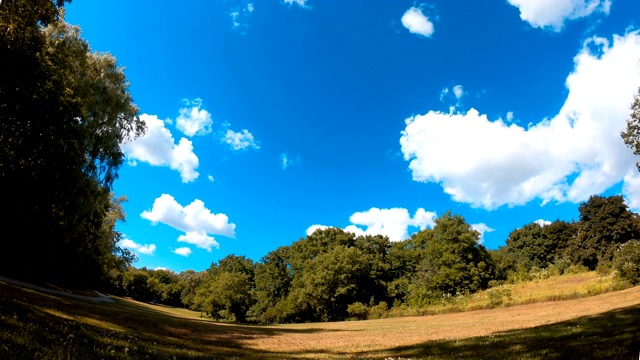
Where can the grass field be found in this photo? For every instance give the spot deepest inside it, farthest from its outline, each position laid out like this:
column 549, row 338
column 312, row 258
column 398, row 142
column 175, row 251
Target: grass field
column 40, row 326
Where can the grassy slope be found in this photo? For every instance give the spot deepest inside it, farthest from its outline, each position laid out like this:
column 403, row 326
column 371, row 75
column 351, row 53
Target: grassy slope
column 34, row 325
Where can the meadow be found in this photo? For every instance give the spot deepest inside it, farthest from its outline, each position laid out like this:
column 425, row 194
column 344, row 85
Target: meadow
column 35, row 325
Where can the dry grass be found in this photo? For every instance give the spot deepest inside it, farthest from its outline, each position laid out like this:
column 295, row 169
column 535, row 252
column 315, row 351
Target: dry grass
column 35, row 325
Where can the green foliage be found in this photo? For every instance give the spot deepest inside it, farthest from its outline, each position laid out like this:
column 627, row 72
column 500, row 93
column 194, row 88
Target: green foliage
column 64, row 110
column 358, row 311
column 627, row 262
column 453, row 261
column 605, row 223
column 535, row 245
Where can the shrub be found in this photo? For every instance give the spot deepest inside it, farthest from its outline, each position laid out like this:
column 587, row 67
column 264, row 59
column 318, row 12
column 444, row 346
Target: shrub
column 627, row 262
column 358, row 311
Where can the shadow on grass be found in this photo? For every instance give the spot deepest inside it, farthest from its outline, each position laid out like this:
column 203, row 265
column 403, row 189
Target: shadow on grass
column 36, row 325
column 611, row 335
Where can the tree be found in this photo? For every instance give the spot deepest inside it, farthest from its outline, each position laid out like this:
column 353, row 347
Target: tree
column 605, row 224
column 226, row 291
column 631, row 135
column 453, row 263
column 64, row 111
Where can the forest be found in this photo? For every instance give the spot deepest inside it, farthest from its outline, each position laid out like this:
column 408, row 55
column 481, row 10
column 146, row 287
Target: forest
column 64, row 113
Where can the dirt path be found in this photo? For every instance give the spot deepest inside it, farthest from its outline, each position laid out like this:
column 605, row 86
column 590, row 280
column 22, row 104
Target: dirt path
column 98, row 298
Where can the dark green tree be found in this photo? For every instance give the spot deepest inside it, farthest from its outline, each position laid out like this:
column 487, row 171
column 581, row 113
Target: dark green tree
column 64, row 111
column 454, row 261
column 605, row 224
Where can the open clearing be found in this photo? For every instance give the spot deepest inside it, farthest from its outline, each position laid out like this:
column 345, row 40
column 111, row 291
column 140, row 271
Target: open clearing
column 36, row 325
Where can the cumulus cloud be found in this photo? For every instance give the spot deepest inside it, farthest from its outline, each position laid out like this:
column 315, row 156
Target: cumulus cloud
column 482, row 228
column 194, row 219
column 631, row 190
column 552, row 14
column 240, row 140
column 542, row 222
column 569, row 157
column 193, row 119
column 138, row 248
column 183, row 251
column 416, row 22
column 210, row 178
column 394, row 222
column 158, row 148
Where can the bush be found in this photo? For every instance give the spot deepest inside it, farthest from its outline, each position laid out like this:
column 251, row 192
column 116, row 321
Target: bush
column 627, row 262
column 576, row 269
column 498, row 295
column 358, row 311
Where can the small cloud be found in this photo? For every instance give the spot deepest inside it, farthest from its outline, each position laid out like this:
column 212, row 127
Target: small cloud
column 210, row 178
column 311, row 229
column 193, row 119
column 138, row 248
column 482, row 228
column 542, row 222
column 183, row 251
column 157, row 147
column 444, row 93
column 458, row 91
column 510, row 116
column 417, row 23
column 250, row 7
column 240, row 140
column 301, row 3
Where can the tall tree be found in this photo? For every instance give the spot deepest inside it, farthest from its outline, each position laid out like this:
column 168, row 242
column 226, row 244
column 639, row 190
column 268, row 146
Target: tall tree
column 454, row 261
column 64, row 111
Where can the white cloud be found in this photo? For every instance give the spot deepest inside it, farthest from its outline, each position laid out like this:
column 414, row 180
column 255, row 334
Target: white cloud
column 482, row 228
column 240, row 140
column 542, row 222
column 194, row 219
column 416, row 22
column 569, row 157
column 458, row 91
column 184, row 251
column 199, row 239
column 301, row 3
column 553, row 13
column 138, row 248
column 193, row 119
column 393, row 222
column 311, row 229
column 631, row 189
column 210, row 178
column 157, row 148
column 250, row 7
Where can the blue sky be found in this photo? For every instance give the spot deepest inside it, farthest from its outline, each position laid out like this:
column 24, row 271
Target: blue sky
column 268, row 118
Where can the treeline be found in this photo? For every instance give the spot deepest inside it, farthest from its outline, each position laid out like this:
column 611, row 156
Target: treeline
column 335, row 275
